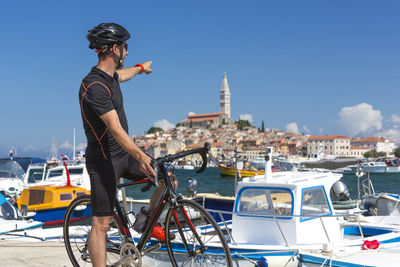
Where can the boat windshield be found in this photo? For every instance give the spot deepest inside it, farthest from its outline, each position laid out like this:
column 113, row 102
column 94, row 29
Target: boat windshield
column 315, row 202
column 35, row 175
column 73, row 171
column 54, row 173
column 265, row 201
column 7, row 174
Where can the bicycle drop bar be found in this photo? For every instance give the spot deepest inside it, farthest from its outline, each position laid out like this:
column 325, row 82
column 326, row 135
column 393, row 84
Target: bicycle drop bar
column 202, row 151
column 170, row 158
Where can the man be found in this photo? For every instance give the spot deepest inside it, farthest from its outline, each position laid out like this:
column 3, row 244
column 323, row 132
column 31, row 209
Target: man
column 110, row 153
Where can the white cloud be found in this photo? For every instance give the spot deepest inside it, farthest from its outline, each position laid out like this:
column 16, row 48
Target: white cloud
column 306, row 130
column 358, row 119
column 65, row 145
column 81, row 146
column 191, row 113
column 246, row 117
column 320, row 130
column 29, row 148
column 292, row 128
column 391, row 134
column 164, row 124
column 395, row 118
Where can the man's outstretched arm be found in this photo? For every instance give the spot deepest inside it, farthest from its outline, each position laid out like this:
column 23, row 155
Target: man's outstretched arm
column 128, row 73
column 111, row 120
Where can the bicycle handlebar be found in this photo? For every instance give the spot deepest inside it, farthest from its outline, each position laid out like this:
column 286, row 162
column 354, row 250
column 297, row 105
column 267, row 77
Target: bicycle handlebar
column 170, row 158
column 202, row 151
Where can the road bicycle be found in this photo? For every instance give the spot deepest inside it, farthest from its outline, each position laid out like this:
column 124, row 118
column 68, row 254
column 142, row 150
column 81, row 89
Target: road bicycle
column 192, row 236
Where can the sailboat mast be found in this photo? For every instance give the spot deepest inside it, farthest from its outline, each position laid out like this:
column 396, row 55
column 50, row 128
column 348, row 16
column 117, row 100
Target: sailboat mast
column 73, row 151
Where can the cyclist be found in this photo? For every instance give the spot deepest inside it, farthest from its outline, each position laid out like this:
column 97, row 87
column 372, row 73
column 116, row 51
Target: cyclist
column 110, row 153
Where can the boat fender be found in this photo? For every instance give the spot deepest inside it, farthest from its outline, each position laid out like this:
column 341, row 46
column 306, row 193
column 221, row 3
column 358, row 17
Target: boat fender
column 373, row 244
column 262, row 262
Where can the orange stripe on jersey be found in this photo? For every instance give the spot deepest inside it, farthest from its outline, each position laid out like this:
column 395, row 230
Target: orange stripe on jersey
column 87, row 121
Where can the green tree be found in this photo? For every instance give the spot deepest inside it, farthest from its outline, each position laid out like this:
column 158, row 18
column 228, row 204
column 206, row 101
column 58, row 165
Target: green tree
column 262, row 127
column 243, row 123
column 380, row 154
column 223, row 121
column 369, row 154
column 178, row 124
column 397, row 152
column 154, row 130
column 190, row 124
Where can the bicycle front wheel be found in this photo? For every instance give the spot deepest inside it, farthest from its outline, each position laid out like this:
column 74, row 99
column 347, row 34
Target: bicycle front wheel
column 193, row 238
column 77, row 227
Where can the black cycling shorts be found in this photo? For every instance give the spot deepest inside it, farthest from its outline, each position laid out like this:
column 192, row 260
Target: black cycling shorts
column 104, row 175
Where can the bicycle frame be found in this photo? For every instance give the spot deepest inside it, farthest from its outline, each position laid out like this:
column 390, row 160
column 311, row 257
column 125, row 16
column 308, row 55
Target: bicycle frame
column 168, row 196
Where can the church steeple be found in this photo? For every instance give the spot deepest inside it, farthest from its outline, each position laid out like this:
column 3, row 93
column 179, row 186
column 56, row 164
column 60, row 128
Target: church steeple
column 225, row 97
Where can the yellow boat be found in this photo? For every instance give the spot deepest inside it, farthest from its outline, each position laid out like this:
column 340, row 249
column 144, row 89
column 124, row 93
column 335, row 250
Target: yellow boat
column 50, row 202
column 229, row 171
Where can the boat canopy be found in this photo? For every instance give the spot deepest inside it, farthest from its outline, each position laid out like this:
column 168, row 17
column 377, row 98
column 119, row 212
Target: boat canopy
column 18, row 165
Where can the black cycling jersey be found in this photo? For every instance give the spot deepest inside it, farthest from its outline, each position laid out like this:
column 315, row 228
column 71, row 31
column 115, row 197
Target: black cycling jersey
column 100, row 93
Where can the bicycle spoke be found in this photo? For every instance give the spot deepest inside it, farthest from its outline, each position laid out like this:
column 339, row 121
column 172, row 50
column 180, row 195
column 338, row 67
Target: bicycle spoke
column 205, row 243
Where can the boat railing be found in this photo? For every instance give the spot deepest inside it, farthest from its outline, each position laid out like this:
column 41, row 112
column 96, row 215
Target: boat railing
column 276, row 217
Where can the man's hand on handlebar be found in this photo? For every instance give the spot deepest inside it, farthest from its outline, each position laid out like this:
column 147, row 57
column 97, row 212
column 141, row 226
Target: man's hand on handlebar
column 146, row 167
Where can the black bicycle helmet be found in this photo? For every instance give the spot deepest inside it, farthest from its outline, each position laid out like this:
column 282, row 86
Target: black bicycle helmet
column 107, row 34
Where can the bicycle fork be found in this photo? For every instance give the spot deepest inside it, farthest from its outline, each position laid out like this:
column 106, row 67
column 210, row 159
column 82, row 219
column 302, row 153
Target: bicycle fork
column 191, row 253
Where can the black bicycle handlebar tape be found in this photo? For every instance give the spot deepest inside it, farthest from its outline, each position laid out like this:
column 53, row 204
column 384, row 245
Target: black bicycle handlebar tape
column 203, row 155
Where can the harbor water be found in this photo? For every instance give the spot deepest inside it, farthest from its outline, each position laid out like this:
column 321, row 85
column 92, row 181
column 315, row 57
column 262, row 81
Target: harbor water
column 211, row 182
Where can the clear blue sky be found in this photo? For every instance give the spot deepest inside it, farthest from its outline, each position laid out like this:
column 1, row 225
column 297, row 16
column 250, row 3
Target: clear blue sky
column 301, row 62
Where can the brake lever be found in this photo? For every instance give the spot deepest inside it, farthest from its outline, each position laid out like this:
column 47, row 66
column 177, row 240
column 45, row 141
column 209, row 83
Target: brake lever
column 153, row 164
column 203, row 154
column 212, row 159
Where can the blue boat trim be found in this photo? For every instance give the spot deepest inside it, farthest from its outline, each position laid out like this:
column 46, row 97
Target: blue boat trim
column 327, row 262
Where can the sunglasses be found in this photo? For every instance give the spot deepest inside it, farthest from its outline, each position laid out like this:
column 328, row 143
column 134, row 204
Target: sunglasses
column 125, row 45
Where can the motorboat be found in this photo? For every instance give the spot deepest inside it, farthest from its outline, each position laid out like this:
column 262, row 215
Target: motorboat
column 288, row 219
column 11, row 220
column 50, row 202
column 374, row 167
column 12, row 171
column 225, row 170
column 56, row 174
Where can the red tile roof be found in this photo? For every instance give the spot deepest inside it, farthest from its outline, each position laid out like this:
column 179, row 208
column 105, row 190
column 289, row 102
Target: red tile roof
column 368, row 140
column 336, row 136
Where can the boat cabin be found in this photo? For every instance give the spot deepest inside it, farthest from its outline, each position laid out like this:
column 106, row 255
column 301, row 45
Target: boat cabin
column 56, row 175
column 287, row 208
column 47, row 197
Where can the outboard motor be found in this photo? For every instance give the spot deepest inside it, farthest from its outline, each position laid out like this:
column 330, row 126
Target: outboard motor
column 339, row 191
column 191, row 186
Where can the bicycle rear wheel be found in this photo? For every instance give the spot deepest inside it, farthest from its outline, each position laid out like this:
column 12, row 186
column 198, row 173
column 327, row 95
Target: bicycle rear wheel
column 77, row 226
column 206, row 244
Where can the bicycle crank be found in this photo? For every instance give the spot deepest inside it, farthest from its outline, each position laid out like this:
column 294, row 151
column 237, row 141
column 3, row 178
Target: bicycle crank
column 130, row 256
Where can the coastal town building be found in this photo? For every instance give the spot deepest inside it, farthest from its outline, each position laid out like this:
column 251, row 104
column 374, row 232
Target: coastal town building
column 207, row 120
column 358, row 152
column 374, row 143
column 337, row 145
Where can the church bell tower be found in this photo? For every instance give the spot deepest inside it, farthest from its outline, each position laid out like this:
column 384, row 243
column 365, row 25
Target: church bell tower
column 225, row 97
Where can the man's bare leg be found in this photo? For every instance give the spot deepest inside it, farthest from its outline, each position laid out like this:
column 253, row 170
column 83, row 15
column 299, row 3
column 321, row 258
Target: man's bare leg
column 97, row 240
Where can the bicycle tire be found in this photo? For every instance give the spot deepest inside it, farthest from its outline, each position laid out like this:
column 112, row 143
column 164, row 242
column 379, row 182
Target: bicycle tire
column 216, row 251
column 76, row 228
